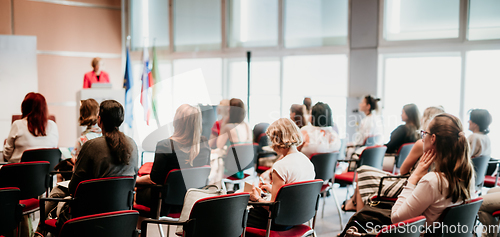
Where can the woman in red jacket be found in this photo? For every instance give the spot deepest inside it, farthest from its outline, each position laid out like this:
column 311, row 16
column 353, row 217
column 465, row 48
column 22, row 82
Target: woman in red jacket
column 95, row 76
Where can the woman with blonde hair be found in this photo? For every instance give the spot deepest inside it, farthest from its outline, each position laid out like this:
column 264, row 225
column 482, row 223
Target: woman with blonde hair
column 186, row 148
column 293, row 167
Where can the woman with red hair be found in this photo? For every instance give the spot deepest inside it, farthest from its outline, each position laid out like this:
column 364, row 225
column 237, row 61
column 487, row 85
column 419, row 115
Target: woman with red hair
column 33, row 131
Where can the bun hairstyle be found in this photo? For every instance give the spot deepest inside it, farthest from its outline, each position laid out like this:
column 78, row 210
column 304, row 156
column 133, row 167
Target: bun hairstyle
column 307, row 103
column 321, row 115
column 482, row 118
column 88, row 112
column 372, row 101
column 34, row 109
column 452, row 156
column 284, row 134
column 111, row 114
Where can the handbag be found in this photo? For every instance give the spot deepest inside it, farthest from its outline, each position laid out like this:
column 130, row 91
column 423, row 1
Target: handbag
column 192, row 196
column 372, row 217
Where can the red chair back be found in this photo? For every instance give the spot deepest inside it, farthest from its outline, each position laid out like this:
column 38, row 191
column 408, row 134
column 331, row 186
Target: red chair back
column 29, row 177
column 297, row 202
column 408, row 228
column 403, row 152
column 111, row 224
column 373, row 156
column 461, row 214
column 52, row 155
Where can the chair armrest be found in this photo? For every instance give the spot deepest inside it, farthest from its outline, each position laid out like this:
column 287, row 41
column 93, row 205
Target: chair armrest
column 389, row 177
column 144, row 224
column 3, row 163
column 267, row 204
column 148, row 185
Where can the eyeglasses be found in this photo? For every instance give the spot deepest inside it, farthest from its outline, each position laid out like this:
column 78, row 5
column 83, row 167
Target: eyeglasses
column 423, row 133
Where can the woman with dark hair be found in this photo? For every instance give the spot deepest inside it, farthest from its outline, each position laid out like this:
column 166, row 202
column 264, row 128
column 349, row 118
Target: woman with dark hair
column 405, row 133
column 33, row 131
column 319, row 136
column 479, row 122
column 297, row 115
column 451, row 180
column 113, row 154
column 236, row 130
column 371, row 125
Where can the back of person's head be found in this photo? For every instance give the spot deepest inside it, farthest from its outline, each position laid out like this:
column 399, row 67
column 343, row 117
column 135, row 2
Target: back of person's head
column 284, row 134
column 187, row 130
column 88, row 112
column 34, row 109
column 321, row 115
column 482, row 118
column 429, row 114
column 223, row 108
column 307, row 103
column 111, row 117
column 298, row 114
column 236, row 111
column 413, row 121
column 372, row 102
column 452, row 155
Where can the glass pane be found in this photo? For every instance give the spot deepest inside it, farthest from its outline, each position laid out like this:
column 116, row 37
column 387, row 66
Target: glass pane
column 422, row 19
column 315, row 23
column 253, row 23
column 264, row 109
column 435, row 81
column 481, row 91
column 197, row 25
column 484, row 19
column 211, row 68
column 149, row 21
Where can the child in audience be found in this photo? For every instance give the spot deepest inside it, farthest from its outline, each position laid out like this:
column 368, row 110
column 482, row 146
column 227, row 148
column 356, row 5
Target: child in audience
column 33, row 131
column 405, row 133
column 479, row 122
column 319, row 136
column 293, row 167
column 113, row 154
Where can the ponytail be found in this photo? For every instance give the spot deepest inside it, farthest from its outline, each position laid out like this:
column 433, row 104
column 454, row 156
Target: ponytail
column 111, row 114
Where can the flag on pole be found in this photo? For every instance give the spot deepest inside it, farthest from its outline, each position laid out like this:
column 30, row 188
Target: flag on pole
column 155, row 77
column 146, row 84
column 128, row 83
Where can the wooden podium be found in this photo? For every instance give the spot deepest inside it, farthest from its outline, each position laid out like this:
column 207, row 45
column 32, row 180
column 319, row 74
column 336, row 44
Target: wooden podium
column 100, row 95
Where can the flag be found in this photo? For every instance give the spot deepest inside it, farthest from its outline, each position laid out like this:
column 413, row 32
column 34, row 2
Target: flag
column 146, row 84
column 155, row 77
column 128, row 83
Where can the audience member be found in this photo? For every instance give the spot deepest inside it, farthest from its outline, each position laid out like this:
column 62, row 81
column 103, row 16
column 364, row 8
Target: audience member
column 319, row 136
column 113, row 154
column 33, row 131
column 293, row 167
column 369, row 177
column 308, row 107
column 222, row 112
column 186, row 148
column 479, row 122
column 297, row 115
column 371, row 125
column 405, row 133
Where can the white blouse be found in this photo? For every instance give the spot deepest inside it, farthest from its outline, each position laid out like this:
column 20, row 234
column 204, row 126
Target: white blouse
column 20, row 139
column 321, row 140
column 371, row 125
column 480, row 145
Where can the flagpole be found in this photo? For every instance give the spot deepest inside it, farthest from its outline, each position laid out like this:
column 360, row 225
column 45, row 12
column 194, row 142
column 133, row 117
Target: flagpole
column 155, row 86
column 249, row 55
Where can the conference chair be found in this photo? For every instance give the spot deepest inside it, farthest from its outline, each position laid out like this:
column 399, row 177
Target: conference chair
column 224, row 215
column 496, row 214
column 172, row 192
column 295, row 204
column 30, row 178
column 480, row 167
column 400, row 157
column 94, row 196
column 110, row 224
column 407, row 228
column 239, row 157
column 10, row 210
column 491, row 179
column 52, row 155
column 324, row 167
column 464, row 214
column 372, row 156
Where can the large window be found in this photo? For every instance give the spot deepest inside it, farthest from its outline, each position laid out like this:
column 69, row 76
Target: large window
column 149, row 21
column 484, row 19
column 422, row 19
column 321, row 77
column 424, row 80
column 315, row 23
column 253, row 23
column 197, row 25
column 482, row 76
